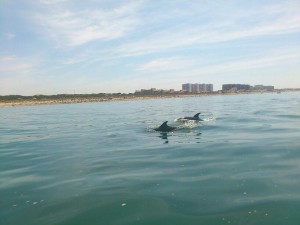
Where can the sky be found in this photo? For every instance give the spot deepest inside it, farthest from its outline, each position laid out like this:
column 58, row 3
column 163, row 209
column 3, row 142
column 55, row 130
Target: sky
column 110, row 46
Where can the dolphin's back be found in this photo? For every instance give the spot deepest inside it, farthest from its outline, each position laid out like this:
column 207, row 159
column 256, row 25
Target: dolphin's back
column 164, row 127
column 195, row 117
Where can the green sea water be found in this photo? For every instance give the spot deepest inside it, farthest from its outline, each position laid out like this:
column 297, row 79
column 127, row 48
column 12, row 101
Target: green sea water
column 101, row 163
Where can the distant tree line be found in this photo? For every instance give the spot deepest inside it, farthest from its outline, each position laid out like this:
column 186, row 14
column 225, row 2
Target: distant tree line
column 60, row 96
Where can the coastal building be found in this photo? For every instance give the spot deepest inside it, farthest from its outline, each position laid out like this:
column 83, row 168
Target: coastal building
column 154, row 91
column 269, row 88
column 235, row 87
column 209, row 88
column 245, row 87
column 187, row 87
column 202, row 87
column 262, row 88
column 197, row 88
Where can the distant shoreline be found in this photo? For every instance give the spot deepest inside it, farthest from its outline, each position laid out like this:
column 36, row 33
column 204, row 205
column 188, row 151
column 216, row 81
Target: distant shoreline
column 8, row 101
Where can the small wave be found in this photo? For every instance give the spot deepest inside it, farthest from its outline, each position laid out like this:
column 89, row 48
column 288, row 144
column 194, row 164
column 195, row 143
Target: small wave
column 210, row 119
column 151, row 128
column 290, row 116
column 182, row 123
column 189, row 124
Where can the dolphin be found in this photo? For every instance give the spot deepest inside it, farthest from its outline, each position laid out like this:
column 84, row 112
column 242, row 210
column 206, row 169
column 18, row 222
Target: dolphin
column 195, row 117
column 165, row 128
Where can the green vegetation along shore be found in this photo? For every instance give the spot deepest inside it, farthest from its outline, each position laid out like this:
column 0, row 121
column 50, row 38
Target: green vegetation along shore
column 19, row 100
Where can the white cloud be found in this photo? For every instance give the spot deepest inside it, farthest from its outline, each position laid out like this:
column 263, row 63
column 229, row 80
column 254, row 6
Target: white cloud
column 9, row 36
column 77, row 27
column 14, row 65
column 163, row 64
column 217, row 25
column 51, row 2
column 17, row 74
column 178, row 39
column 201, row 35
column 75, row 59
column 215, row 72
column 277, row 58
column 71, row 27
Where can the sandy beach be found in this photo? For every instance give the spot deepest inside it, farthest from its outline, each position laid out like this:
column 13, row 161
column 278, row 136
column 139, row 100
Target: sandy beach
column 31, row 101
column 27, row 102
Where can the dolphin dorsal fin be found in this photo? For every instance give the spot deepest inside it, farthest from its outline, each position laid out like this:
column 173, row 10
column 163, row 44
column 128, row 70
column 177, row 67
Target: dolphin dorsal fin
column 197, row 115
column 164, row 124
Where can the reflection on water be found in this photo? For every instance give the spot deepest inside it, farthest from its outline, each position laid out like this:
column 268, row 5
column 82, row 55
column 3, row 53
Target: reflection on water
column 181, row 137
column 164, row 136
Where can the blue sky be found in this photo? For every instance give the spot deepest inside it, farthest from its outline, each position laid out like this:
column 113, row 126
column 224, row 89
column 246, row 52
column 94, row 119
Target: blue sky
column 95, row 46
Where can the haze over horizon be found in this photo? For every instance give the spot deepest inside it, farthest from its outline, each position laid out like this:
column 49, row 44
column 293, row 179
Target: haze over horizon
column 63, row 46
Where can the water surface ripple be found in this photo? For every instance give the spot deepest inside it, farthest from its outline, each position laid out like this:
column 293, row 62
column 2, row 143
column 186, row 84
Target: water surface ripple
column 99, row 163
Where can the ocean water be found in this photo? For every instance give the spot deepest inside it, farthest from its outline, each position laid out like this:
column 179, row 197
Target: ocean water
column 101, row 163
